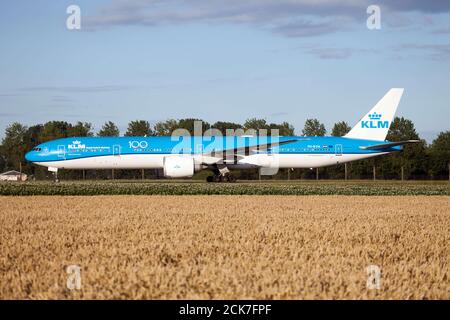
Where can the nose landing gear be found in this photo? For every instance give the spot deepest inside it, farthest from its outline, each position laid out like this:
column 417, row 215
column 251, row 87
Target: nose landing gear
column 55, row 173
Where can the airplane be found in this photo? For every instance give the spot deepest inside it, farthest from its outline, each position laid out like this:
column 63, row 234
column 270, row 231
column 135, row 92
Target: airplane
column 182, row 156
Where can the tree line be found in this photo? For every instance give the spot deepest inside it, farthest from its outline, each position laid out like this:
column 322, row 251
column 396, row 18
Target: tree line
column 418, row 161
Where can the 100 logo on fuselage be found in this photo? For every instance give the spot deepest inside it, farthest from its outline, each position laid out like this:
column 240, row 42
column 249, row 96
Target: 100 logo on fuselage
column 138, row 144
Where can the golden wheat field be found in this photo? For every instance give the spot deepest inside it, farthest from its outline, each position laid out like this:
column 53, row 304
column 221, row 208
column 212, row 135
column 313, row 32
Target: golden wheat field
column 225, row 247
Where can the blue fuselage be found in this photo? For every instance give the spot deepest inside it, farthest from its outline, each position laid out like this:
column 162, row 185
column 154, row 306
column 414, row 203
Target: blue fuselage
column 87, row 147
column 183, row 156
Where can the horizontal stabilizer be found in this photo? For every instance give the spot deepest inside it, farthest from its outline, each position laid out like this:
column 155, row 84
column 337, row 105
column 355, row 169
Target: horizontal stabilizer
column 388, row 145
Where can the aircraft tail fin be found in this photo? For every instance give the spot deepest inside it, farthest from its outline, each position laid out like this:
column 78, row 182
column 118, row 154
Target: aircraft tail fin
column 375, row 124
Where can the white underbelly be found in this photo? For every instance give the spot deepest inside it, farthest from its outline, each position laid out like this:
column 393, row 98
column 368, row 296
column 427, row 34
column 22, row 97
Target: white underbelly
column 302, row 160
column 154, row 161
column 129, row 161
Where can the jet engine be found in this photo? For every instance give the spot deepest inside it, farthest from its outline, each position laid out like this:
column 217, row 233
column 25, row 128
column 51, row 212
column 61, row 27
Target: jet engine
column 178, row 167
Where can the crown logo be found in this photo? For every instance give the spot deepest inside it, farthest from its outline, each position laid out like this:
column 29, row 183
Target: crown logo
column 76, row 142
column 375, row 116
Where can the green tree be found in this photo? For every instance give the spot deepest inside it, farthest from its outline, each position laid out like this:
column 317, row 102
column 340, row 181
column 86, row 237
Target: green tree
column 2, row 159
column 285, row 129
column 165, row 128
column 139, row 128
column 33, row 137
column 80, row 129
column 413, row 158
column 189, row 123
column 224, row 126
column 340, row 129
column 256, row 124
column 55, row 130
column 13, row 145
column 402, row 129
column 109, row 129
column 313, row 128
column 440, row 156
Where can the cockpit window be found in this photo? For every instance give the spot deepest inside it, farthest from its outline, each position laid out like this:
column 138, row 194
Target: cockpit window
column 37, row 149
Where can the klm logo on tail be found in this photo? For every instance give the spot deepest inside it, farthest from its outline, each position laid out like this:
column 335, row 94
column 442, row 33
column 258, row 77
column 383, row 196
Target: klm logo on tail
column 374, row 122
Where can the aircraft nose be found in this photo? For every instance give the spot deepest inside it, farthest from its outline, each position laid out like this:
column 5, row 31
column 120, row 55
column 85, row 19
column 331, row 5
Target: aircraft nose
column 28, row 156
column 32, row 156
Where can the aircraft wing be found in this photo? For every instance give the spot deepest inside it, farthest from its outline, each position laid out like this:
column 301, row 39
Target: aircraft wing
column 235, row 154
column 388, row 145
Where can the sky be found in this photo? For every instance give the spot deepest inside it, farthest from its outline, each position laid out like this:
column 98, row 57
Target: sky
column 281, row 60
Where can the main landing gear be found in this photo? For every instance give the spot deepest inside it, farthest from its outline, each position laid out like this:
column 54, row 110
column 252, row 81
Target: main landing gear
column 221, row 174
column 220, row 178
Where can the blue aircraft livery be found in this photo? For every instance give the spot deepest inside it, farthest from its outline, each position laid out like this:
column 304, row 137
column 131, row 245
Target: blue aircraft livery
column 182, row 156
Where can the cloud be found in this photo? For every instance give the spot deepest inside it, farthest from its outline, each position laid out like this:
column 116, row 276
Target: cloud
column 292, row 18
column 286, row 17
column 10, row 114
column 61, row 99
column 330, row 53
column 432, row 51
column 305, row 28
column 428, row 6
column 9, row 95
column 445, row 30
column 77, row 89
